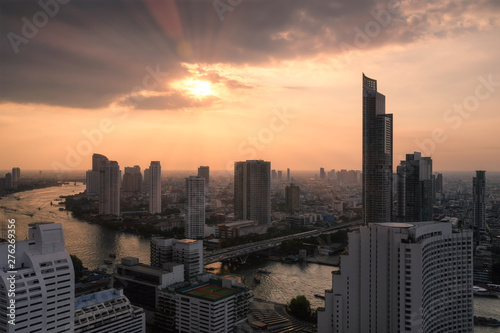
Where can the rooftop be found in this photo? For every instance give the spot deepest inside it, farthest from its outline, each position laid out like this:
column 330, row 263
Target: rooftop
column 96, row 298
column 209, row 291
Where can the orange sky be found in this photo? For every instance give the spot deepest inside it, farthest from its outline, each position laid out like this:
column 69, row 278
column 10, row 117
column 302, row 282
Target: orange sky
column 224, row 99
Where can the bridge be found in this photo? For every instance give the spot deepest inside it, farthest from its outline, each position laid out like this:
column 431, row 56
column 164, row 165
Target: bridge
column 242, row 251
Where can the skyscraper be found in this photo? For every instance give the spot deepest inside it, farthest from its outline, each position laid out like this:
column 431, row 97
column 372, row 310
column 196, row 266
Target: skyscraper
column 132, row 179
column 93, row 182
column 16, row 174
column 252, row 191
column 322, row 174
column 377, row 155
column 280, row 175
column 109, row 189
column 155, row 187
column 195, row 213
column 479, row 200
column 292, row 198
column 204, row 171
column 287, row 174
column 44, row 292
column 401, row 277
column 415, row 189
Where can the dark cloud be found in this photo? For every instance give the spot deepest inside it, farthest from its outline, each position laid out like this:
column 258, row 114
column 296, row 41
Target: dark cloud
column 93, row 51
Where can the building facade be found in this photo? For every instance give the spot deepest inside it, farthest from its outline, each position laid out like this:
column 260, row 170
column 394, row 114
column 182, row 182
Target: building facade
column 132, row 179
column 154, row 187
column 252, row 191
column 415, row 189
column 109, row 189
column 204, row 171
column 479, row 200
column 401, row 277
column 377, row 156
column 292, row 198
column 93, row 176
column 44, row 283
column 195, row 212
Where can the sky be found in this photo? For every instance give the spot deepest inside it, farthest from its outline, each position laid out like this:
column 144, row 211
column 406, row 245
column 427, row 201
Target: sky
column 198, row 82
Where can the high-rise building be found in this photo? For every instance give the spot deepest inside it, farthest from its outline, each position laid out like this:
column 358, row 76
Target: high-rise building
column 93, row 183
column 274, row 175
column 322, row 174
column 377, row 155
column 16, row 175
column 155, row 187
column 108, row 311
column 8, row 181
column 185, row 251
column 479, row 200
column 132, row 179
column 292, row 198
column 146, row 181
column 195, row 213
column 280, row 175
column 43, row 299
column 189, row 252
column 439, row 183
column 204, row 171
column 287, row 174
column 109, row 190
column 401, row 277
column 252, row 191
column 415, row 188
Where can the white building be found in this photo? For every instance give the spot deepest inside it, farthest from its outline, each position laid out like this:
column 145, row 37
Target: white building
column 43, row 282
column 180, row 251
column 108, row 311
column 109, row 190
column 93, row 175
column 400, row 277
column 195, row 214
column 214, row 306
column 154, row 184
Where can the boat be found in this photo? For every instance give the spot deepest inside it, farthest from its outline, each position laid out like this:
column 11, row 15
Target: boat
column 319, row 296
column 112, row 255
column 264, row 271
column 108, row 262
column 256, row 278
column 483, row 321
column 51, row 203
column 482, row 292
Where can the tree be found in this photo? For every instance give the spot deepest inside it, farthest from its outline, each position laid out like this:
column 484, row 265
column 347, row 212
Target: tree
column 300, row 307
column 77, row 266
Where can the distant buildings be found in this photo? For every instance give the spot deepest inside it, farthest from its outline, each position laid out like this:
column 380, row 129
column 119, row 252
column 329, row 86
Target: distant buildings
column 231, row 230
column 377, row 155
column 292, row 198
column 108, row 311
column 154, row 187
column 44, row 283
column 8, row 181
column 109, row 189
column 274, row 175
column 93, row 175
column 415, row 189
column 195, row 212
column 288, row 174
column 204, row 171
column 252, row 191
column 401, row 277
column 16, row 175
column 280, row 175
column 479, row 201
column 132, row 179
column 322, row 174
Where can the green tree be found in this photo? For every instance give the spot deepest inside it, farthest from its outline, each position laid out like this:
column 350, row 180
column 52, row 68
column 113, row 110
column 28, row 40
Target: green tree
column 77, row 266
column 300, row 307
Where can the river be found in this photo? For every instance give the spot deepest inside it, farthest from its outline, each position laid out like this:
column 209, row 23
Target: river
column 93, row 244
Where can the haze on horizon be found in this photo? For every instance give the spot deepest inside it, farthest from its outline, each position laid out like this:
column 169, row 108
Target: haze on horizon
column 190, row 84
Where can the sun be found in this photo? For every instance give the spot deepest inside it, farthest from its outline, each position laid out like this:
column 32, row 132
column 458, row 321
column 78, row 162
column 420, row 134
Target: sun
column 199, row 88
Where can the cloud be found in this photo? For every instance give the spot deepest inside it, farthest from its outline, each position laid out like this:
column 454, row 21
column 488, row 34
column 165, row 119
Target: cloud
column 90, row 52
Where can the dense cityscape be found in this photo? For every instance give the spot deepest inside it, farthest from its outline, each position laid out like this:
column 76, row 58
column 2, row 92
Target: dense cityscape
column 411, row 249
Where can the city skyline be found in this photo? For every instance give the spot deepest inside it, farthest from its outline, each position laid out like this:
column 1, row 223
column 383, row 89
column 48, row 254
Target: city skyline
column 233, row 88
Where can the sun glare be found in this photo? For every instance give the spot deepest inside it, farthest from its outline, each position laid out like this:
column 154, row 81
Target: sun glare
column 199, row 88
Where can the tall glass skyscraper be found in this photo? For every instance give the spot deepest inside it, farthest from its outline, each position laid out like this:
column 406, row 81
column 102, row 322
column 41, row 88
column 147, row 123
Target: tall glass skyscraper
column 377, row 155
column 154, row 187
column 479, row 200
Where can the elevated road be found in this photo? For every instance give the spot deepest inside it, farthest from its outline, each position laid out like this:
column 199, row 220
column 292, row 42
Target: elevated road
column 245, row 249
